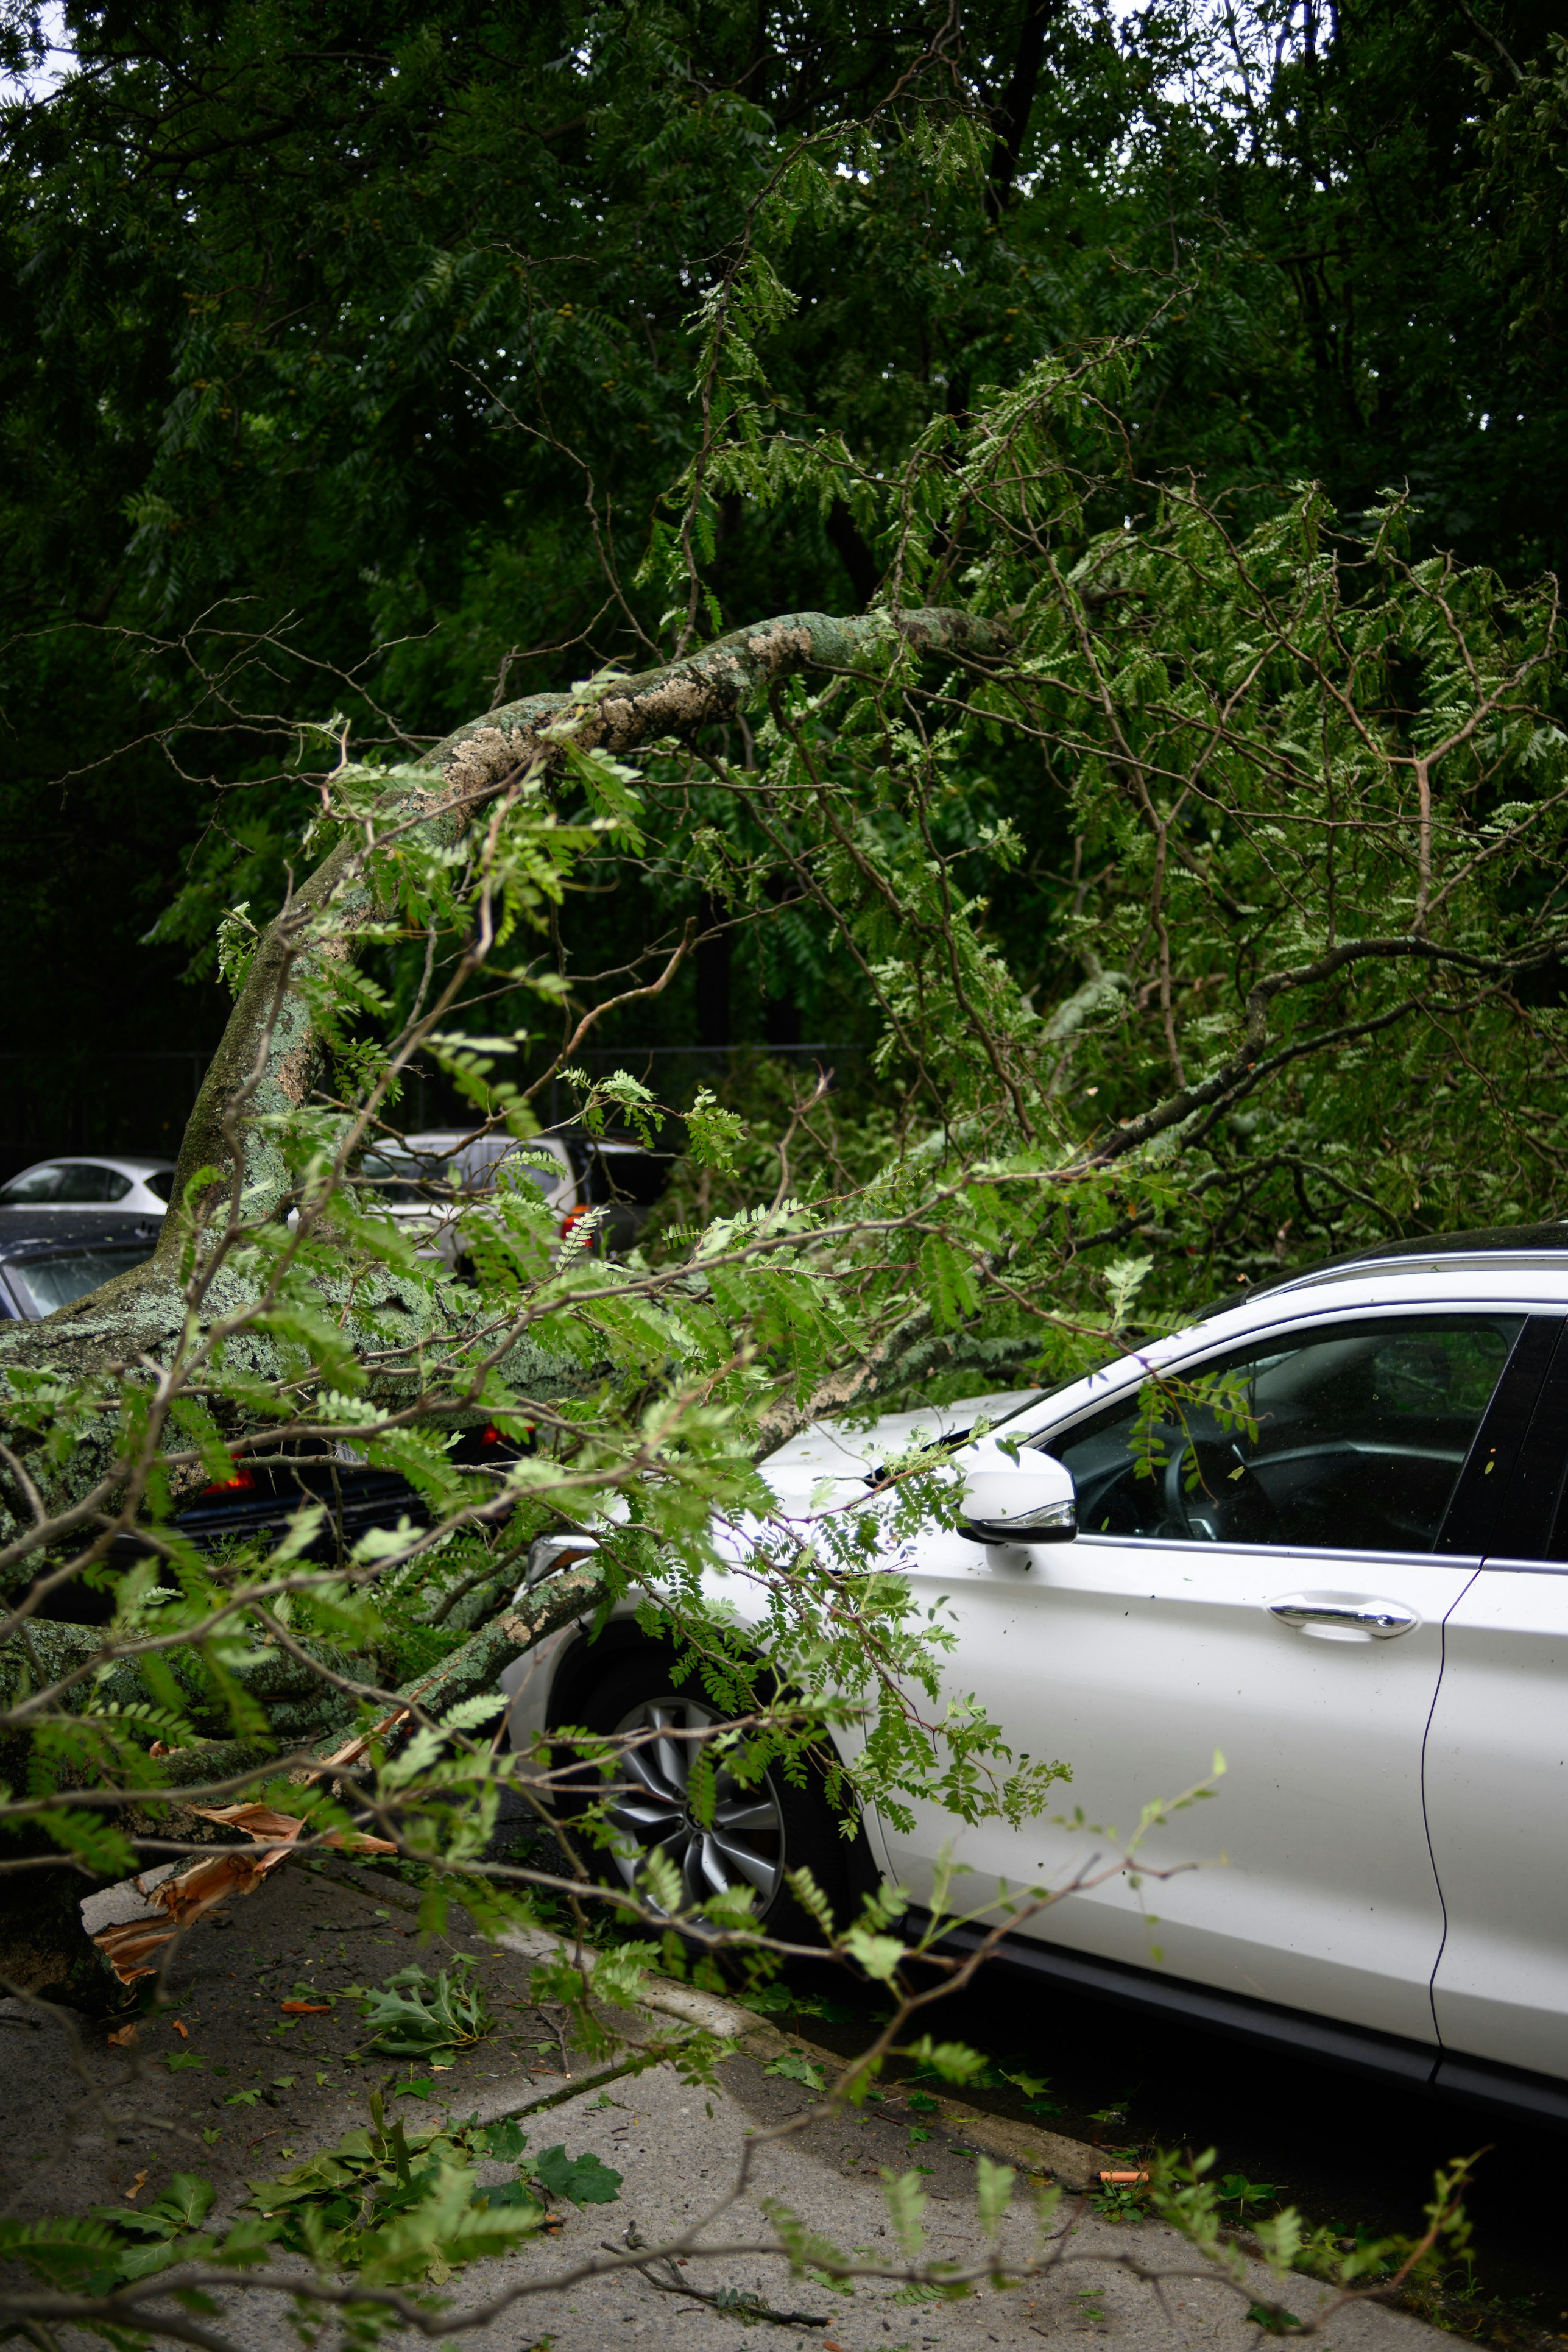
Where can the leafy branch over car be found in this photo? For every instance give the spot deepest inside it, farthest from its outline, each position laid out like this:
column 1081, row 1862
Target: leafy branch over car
column 812, row 1615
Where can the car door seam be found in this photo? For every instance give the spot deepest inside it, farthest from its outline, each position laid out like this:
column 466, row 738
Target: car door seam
column 1425, row 1817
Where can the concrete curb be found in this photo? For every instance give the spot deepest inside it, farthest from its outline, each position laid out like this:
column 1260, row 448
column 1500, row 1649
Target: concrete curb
column 1045, row 2154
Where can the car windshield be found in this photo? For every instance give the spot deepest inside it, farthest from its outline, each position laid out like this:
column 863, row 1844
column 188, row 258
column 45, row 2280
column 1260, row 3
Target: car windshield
column 65, row 1275
column 400, row 1174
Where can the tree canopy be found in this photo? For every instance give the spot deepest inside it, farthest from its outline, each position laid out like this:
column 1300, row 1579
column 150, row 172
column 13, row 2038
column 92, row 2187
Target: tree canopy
column 381, row 363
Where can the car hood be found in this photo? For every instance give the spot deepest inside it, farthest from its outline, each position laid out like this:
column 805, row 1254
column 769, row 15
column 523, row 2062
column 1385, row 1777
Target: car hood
column 834, row 1448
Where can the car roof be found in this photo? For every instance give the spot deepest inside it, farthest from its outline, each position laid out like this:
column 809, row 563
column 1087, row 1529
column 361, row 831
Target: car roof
column 1481, row 1243
column 448, row 1139
column 26, row 1232
column 130, row 1163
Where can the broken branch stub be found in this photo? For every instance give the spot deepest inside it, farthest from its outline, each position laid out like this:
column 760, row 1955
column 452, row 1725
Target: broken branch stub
column 130, row 1946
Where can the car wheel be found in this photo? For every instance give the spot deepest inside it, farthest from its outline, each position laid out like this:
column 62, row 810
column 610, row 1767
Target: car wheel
column 759, row 1832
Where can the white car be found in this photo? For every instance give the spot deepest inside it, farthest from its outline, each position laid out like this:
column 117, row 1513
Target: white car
column 429, row 1181
column 104, row 1180
column 1348, row 1574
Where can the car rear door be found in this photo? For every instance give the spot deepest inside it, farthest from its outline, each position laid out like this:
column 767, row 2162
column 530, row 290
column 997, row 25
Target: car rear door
column 1272, row 1587
column 1496, row 1771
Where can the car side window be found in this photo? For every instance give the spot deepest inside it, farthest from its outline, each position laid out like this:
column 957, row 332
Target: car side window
column 1350, row 1437
column 34, row 1184
column 86, row 1179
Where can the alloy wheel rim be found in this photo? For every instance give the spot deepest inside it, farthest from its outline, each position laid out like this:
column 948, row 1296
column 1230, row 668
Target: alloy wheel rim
column 742, row 1843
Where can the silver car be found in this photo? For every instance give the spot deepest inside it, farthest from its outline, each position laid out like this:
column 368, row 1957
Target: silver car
column 100, row 1180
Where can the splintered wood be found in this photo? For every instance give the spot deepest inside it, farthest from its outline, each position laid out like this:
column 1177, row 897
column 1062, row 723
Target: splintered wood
column 131, row 1946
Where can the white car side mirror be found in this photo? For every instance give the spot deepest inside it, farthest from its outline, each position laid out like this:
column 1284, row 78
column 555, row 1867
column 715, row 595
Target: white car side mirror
column 1029, row 1500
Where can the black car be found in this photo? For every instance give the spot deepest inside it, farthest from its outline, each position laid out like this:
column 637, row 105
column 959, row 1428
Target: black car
column 51, row 1262
column 50, row 1258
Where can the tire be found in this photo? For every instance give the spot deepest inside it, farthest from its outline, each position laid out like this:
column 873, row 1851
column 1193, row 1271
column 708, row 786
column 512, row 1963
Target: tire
column 759, row 1832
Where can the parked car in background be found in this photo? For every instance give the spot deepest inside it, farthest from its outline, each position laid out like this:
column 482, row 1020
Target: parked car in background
column 51, row 1255
column 259, row 1504
column 53, row 1263
column 624, row 1181
column 136, row 1186
column 431, row 1181
column 1332, row 1542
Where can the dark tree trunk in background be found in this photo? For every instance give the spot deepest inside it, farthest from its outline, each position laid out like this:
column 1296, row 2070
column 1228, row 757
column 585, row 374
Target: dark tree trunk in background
column 850, row 548
column 1012, row 114
column 781, row 1021
column 712, row 974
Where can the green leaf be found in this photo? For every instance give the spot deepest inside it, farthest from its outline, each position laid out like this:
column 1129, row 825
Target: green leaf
column 583, row 2180
column 413, row 2014
column 955, row 2061
column 906, row 2203
column 993, row 2191
column 796, row 2067
column 186, row 2201
column 948, row 1282
column 713, row 1135
column 878, row 1955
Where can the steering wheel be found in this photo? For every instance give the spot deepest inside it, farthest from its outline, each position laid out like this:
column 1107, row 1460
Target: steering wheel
column 1229, row 1503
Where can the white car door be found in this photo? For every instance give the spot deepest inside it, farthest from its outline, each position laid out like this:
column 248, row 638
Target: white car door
column 1496, row 1773
column 1276, row 1591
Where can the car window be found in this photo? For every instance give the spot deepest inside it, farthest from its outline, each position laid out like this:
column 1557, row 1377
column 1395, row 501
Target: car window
column 65, row 1275
column 498, row 1159
column 159, row 1182
column 88, row 1180
column 33, row 1184
column 408, row 1178
column 1350, row 1437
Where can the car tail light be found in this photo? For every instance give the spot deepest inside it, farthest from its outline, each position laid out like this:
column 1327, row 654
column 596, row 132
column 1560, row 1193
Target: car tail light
column 490, row 1435
column 573, row 1217
column 243, row 1482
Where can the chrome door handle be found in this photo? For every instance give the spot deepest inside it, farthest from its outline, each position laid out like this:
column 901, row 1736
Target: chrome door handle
column 1377, row 1620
